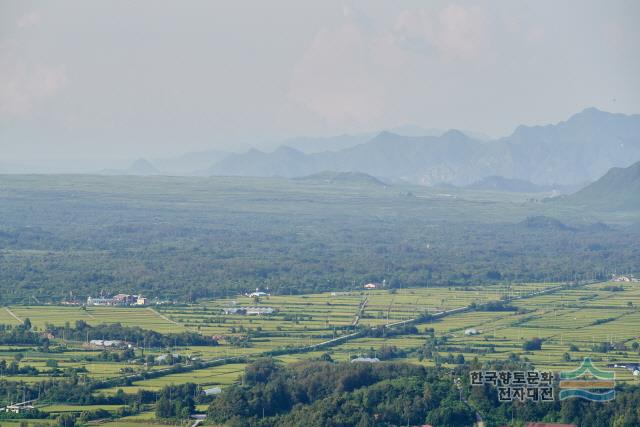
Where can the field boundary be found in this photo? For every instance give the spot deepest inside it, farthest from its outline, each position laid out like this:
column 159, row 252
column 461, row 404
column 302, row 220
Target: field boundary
column 12, row 314
column 127, row 379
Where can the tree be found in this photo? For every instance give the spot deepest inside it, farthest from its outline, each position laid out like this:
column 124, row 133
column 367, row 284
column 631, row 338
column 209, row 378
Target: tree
column 163, row 408
column 66, row 420
column 532, row 344
column 260, row 371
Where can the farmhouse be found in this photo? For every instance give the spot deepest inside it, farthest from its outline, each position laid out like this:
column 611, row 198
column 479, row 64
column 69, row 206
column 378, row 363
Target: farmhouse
column 119, row 299
column 100, row 301
column 18, row 408
column 125, row 299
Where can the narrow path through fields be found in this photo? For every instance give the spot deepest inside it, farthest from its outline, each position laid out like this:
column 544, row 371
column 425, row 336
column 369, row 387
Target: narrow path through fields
column 361, row 308
column 163, row 317
column 12, row 314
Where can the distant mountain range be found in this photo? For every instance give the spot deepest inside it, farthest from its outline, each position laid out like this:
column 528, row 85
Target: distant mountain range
column 194, row 163
column 311, row 145
column 573, row 152
column 138, row 167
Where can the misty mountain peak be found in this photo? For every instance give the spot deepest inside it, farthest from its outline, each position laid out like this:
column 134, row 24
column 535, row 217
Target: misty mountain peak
column 454, row 135
column 142, row 166
column 386, row 135
column 590, row 114
column 286, row 150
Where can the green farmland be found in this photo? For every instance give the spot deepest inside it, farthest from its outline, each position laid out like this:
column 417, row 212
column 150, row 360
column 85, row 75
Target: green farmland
column 573, row 322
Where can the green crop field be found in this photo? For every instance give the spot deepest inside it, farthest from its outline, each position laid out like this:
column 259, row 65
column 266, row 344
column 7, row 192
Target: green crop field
column 572, row 322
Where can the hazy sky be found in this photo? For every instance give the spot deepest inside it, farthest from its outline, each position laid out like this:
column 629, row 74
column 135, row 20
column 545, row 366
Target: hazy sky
column 113, row 79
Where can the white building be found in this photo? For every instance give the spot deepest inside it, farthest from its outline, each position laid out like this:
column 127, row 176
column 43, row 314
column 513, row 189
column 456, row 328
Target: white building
column 108, row 343
column 365, row 360
column 259, row 310
column 258, row 294
column 212, row 391
column 18, row 408
column 100, row 301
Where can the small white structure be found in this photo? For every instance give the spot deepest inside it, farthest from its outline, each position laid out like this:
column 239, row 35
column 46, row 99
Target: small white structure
column 370, row 286
column 259, row 310
column 107, row 343
column 472, row 331
column 212, row 391
column 165, row 357
column 18, row 408
column 100, row 301
column 365, row 360
column 248, row 310
column 142, row 301
column 258, row 294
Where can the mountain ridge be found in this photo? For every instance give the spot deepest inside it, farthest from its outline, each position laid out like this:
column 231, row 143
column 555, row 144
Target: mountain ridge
column 572, row 152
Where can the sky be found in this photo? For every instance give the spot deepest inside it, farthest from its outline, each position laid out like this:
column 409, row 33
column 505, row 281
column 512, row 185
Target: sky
column 87, row 83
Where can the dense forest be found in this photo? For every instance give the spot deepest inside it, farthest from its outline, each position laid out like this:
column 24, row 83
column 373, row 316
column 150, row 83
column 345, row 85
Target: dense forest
column 180, row 238
column 320, row 393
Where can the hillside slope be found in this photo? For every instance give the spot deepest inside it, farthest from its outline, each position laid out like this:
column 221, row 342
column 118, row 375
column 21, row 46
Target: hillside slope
column 618, row 189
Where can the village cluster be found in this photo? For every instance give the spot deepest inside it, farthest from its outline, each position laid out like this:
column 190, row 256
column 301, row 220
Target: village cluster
column 119, row 300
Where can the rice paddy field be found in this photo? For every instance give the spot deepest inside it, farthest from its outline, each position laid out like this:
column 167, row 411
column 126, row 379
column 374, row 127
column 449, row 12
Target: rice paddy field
column 571, row 321
column 146, row 318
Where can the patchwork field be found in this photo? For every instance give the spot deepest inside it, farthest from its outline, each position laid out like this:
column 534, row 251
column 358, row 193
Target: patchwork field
column 573, row 323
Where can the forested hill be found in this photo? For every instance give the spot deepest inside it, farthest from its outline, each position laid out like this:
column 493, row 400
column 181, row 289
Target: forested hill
column 618, row 189
column 321, row 393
